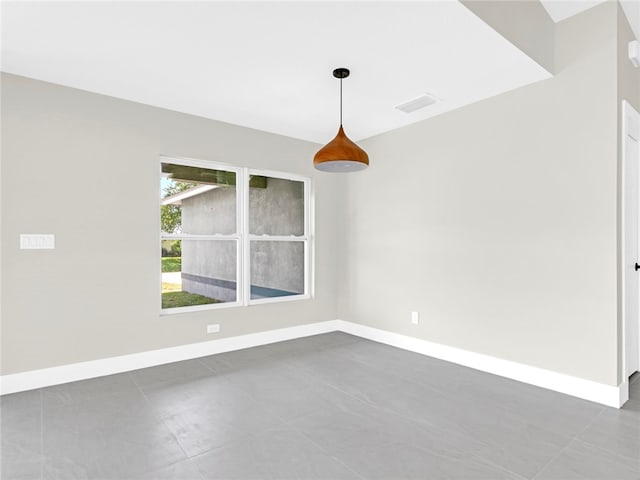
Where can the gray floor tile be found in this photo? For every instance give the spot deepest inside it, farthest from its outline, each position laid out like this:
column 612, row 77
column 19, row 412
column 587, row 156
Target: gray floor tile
column 238, row 360
column 509, row 439
column 22, row 428
column 207, row 413
column 216, row 397
column 17, row 463
column 275, row 354
column 83, row 390
column 274, row 454
column 170, row 372
column 21, row 435
column 315, row 343
column 327, row 406
column 116, row 407
column 284, row 391
column 421, row 369
column 559, row 413
column 244, row 413
column 184, row 394
column 183, row 470
column 199, row 431
column 256, row 378
column 16, row 401
column 383, row 445
column 580, row 461
column 111, row 437
column 406, row 461
column 351, row 423
column 554, row 411
column 617, row 431
column 501, row 436
column 632, row 406
column 337, row 369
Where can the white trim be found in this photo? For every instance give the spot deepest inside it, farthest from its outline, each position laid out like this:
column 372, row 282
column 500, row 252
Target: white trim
column 627, row 111
column 623, row 391
column 283, row 298
column 613, row 396
column 310, row 222
column 165, row 312
column 559, row 382
column 623, row 237
column 243, row 272
column 19, row 382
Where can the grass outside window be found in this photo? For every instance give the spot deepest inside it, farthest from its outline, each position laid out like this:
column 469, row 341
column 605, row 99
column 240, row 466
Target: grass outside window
column 172, row 294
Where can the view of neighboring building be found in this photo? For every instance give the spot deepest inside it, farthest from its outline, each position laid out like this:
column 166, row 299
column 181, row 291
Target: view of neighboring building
column 203, row 233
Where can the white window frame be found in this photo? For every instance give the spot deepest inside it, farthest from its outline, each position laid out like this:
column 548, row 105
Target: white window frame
column 305, row 237
column 243, row 237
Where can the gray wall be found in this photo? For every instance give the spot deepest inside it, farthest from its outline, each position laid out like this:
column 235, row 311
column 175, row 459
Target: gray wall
column 497, row 221
column 277, row 266
column 209, row 267
column 629, row 90
column 210, row 212
column 86, row 167
column 277, row 209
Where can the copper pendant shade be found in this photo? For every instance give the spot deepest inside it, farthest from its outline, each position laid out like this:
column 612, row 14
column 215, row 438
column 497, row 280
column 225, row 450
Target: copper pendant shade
column 341, row 154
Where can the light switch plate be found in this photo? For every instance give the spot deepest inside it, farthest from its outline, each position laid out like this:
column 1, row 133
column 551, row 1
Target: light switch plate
column 37, row 241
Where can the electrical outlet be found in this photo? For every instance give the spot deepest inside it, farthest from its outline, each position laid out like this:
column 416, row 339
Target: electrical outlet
column 215, row 328
column 415, row 318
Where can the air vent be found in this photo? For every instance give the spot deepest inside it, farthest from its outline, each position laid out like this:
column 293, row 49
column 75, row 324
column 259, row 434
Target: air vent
column 417, row 103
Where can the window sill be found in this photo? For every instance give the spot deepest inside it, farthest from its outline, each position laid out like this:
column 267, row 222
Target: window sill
column 217, row 306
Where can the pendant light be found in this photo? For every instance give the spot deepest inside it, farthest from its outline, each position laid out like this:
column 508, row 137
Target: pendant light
column 341, row 154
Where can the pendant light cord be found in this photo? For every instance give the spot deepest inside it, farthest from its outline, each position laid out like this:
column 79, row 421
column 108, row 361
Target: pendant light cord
column 341, row 102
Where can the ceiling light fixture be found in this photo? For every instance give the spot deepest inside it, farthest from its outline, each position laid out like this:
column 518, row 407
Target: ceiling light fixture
column 341, row 154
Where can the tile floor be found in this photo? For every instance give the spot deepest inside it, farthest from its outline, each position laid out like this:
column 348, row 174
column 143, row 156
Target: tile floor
column 325, row 407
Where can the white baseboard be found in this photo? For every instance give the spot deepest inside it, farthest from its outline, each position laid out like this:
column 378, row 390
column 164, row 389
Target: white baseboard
column 45, row 377
column 577, row 387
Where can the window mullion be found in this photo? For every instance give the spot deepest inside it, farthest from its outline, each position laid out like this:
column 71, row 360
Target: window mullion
column 244, row 219
column 277, row 238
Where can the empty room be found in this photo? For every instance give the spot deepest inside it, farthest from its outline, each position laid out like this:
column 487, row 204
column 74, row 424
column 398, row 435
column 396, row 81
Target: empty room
column 320, row 240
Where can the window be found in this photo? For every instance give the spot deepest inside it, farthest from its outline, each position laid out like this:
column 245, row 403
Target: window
column 231, row 236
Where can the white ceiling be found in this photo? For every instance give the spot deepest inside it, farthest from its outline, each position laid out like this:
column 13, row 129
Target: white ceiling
column 268, row 65
column 559, row 10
